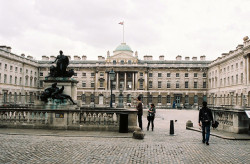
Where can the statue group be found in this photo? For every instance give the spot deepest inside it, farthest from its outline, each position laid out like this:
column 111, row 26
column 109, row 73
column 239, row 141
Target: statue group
column 60, row 70
column 55, row 93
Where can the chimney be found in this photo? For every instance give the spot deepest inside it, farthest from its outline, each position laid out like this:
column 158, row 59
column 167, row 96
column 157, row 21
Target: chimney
column 186, row 58
column 203, row 57
column 148, row 57
column 69, row 57
column 231, row 51
column 45, row 58
column 52, row 58
column 161, row 57
column 99, row 57
column 136, row 54
column 224, row 54
column 77, row 58
column 23, row 55
column 245, row 38
column 5, row 48
column 239, row 46
column 29, row 57
column 194, row 58
column 108, row 54
column 178, row 58
column 84, row 57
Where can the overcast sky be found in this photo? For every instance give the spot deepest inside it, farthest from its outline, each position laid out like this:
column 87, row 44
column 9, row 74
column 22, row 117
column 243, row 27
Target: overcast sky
column 152, row 27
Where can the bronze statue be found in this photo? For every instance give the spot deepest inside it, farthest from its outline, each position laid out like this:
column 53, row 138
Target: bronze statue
column 62, row 63
column 55, row 93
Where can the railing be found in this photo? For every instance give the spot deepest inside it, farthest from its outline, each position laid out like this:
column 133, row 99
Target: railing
column 96, row 119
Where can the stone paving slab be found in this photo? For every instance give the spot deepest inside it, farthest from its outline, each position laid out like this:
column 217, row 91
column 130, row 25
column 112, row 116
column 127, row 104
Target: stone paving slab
column 157, row 146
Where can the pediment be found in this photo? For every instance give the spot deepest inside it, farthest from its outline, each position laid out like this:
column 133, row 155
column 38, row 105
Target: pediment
column 123, row 55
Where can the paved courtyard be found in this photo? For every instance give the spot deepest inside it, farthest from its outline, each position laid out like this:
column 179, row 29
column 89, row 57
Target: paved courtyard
column 157, row 147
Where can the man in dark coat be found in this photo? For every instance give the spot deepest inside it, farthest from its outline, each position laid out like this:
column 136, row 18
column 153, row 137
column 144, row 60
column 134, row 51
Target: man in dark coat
column 140, row 111
column 205, row 118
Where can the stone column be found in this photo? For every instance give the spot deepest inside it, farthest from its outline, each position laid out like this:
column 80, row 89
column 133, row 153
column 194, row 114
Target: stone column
column 146, row 80
column 125, row 80
column 107, row 81
column 117, row 80
column 136, row 81
column 96, row 81
column 133, row 81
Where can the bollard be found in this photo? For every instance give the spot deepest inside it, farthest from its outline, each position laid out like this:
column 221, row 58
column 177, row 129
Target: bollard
column 171, row 127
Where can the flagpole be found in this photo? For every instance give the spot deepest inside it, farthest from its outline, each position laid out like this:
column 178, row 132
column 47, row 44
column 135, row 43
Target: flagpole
column 123, row 31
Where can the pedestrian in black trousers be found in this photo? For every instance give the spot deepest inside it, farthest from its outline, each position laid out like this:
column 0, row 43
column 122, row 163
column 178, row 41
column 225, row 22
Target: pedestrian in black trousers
column 151, row 116
column 140, row 111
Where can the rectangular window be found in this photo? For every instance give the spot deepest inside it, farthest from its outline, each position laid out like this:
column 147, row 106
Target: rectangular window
column 31, row 82
column 159, row 84
column 83, row 98
column 0, row 77
column 168, row 74
column 20, row 81
column 41, row 73
column 196, row 99
column 21, row 70
column 101, row 73
column 159, row 99
column 27, row 71
column 241, row 78
column 83, row 84
column 177, row 85
column 15, row 69
column 195, row 84
column 228, row 81
column 15, row 80
column 10, row 79
column 11, row 67
column 141, row 84
column 150, row 74
column 5, row 78
column 236, row 79
column 186, row 99
column 224, row 81
column 236, row 65
column 195, row 74
column 232, row 80
column 186, row 74
column 232, row 67
column 26, row 81
column 101, row 84
column 92, row 85
column 150, row 84
column 168, row 85
column 92, row 74
column 204, row 75
column 83, row 74
column 159, row 74
column 177, row 75
column 0, row 65
column 186, row 84
column 204, row 84
column 141, row 73
column 5, row 66
column 168, row 99
column 129, row 62
column 41, row 84
column 114, row 62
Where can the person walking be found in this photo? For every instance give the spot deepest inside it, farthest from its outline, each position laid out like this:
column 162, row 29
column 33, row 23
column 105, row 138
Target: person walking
column 139, row 111
column 151, row 116
column 205, row 118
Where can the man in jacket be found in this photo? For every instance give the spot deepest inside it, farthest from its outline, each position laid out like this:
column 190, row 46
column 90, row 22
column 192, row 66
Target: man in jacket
column 205, row 118
column 140, row 111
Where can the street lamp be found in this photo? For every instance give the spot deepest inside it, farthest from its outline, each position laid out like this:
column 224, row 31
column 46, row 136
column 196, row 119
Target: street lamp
column 112, row 77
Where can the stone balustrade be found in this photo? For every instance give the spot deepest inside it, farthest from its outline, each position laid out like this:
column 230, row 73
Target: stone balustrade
column 91, row 119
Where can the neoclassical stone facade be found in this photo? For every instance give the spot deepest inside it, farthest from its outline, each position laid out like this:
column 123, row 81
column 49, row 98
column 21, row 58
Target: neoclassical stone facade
column 166, row 83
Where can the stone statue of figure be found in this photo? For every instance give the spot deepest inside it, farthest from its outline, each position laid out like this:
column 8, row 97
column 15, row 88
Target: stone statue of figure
column 55, row 93
column 61, row 64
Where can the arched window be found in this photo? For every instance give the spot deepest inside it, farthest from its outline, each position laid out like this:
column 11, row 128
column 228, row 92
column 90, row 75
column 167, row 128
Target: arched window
column 122, row 61
column 113, row 98
column 92, row 98
column 129, row 98
column 150, row 98
column 114, row 62
column 159, row 99
column 83, row 98
column 196, row 98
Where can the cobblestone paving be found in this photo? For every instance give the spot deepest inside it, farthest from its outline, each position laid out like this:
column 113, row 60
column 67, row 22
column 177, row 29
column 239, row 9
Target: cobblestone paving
column 157, row 147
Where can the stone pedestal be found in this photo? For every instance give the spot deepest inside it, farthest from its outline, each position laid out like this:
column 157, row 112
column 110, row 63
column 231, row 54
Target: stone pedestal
column 69, row 84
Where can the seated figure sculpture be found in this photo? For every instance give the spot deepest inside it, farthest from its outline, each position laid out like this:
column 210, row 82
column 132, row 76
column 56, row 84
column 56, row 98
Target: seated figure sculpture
column 55, row 93
column 62, row 63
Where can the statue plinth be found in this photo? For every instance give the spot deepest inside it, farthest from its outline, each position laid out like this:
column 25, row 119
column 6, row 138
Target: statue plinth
column 69, row 84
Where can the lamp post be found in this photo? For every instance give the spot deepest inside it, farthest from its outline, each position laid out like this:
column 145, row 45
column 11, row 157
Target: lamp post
column 112, row 77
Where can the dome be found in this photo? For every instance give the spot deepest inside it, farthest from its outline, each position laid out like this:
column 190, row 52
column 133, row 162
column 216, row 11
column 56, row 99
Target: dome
column 123, row 47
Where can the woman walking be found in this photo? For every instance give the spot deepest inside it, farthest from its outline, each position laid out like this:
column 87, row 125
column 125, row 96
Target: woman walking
column 151, row 116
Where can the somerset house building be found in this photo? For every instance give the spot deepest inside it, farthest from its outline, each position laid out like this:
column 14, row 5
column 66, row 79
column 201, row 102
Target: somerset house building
column 183, row 83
